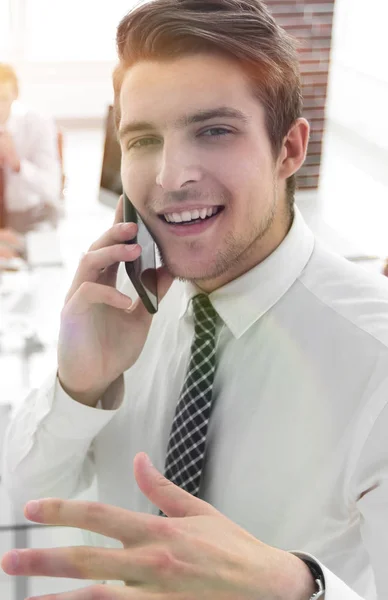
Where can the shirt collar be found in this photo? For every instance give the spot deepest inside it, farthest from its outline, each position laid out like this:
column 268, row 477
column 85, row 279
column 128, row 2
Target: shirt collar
column 244, row 300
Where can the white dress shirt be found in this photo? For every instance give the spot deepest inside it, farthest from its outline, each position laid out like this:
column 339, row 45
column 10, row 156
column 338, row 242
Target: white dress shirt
column 39, row 180
column 297, row 449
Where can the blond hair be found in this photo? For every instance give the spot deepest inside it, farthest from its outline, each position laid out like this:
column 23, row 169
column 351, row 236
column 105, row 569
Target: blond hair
column 8, row 75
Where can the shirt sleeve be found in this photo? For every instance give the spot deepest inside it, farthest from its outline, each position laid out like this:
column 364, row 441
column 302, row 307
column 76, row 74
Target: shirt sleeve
column 48, row 450
column 39, row 179
column 335, row 588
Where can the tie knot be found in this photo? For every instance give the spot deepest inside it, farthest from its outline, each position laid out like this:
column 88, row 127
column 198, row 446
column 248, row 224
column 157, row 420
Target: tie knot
column 204, row 315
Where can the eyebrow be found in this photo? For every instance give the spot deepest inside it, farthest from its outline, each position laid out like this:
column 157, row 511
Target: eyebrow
column 198, row 117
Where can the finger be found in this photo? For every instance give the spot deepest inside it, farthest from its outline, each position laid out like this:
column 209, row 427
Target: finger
column 170, row 498
column 117, row 234
column 92, row 263
column 164, row 281
column 90, row 293
column 97, row 592
column 153, row 568
column 150, row 568
column 77, row 562
column 111, row 592
column 107, row 592
column 126, row 526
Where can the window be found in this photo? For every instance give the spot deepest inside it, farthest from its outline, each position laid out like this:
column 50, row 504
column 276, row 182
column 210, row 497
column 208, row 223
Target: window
column 360, row 41
column 5, row 34
column 72, row 30
column 44, row 31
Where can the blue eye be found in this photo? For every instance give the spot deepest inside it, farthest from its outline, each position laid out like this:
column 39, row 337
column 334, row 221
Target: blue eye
column 216, row 132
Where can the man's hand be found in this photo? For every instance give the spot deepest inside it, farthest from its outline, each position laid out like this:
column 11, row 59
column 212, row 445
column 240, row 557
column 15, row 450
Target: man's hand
column 8, row 154
column 196, row 553
column 100, row 337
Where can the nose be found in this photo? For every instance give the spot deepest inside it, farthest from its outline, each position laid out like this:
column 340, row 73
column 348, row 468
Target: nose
column 178, row 166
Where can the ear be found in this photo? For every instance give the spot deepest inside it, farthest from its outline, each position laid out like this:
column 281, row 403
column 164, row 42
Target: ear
column 293, row 152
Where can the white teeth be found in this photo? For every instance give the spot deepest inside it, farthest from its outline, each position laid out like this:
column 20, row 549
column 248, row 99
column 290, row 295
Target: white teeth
column 188, row 216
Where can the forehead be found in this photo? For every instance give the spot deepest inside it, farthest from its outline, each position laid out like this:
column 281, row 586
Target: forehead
column 165, row 90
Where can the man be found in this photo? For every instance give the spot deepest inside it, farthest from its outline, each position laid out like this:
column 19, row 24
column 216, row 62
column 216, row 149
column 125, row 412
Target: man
column 260, row 387
column 28, row 160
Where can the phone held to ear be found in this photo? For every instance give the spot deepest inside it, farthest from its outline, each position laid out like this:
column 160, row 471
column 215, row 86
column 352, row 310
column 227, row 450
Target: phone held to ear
column 142, row 271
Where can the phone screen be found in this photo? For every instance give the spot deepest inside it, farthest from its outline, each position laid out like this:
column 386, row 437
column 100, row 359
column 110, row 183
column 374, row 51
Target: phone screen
column 142, row 271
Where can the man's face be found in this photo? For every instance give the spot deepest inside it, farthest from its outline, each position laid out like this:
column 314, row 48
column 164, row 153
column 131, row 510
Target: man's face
column 7, row 96
column 198, row 166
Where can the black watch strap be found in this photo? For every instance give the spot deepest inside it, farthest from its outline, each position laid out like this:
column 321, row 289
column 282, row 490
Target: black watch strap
column 317, row 574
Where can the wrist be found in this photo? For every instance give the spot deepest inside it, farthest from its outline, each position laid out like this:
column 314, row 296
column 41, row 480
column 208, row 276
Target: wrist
column 297, row 582
column 86, row 397
column 316, row 573
column 308, row 586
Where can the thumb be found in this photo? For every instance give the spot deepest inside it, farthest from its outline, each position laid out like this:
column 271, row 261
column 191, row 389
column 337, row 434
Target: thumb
column 170, row 498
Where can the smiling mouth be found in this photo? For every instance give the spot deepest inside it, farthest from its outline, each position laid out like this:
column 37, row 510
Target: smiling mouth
column 191, row 217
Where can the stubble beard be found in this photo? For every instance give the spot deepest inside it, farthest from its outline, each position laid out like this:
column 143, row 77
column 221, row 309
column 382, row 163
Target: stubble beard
column 236, row 250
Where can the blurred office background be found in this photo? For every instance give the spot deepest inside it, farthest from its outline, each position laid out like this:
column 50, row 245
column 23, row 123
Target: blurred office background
column 64, row 54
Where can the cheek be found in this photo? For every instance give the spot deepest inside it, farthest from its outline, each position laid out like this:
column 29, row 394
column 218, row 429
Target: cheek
column 237, row 177
column 241, row 167
column 228, row 172
column 251, row 193
column 136, row 177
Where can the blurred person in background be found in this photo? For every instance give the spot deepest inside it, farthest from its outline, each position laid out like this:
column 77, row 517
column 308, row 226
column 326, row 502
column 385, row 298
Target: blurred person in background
column 11, row 244
column 29, row 165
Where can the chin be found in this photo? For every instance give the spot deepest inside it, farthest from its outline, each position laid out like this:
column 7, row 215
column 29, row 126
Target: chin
column 201, row 262
column 194, row 271
column 188, row 273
